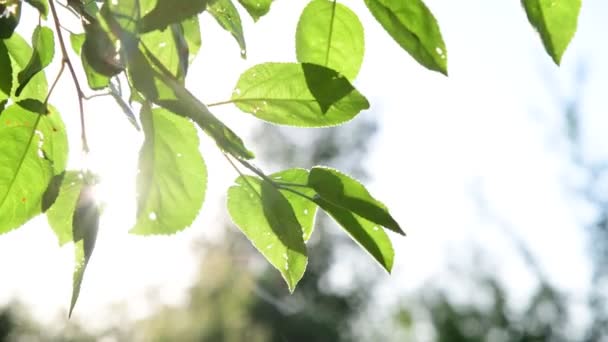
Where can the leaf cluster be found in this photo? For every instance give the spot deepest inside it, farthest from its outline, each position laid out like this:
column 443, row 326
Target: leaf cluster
column 139, row 53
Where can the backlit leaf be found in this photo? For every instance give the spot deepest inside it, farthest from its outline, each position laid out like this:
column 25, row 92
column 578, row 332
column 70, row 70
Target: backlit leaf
column 304, row 209
column 43, row 43
column 61, row 214
column 95, row 80
column 348, row 193
column 172, row 179
column 100, row 49
column 256, row 8
column 330, row 34
column 85, row 224
column 369, row 235
column 169, row 12
column 77, row 40
column 20, row 53
column 267, row 219
column 55, row 147
column 191, row 32
column 33, row 149
column 163, row 44
column 414, row 28
column 555, row 21
column 159, row 86
column 228, row 17
column 306, row 95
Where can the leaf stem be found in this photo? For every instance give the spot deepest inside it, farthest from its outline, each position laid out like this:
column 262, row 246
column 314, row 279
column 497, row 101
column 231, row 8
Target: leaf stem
column 258, row 172
column 66, row 61
column 242, row 175
column 292, row 184
column 278, row 185
column 221, row 103
column 90, row 97
column 299, row 194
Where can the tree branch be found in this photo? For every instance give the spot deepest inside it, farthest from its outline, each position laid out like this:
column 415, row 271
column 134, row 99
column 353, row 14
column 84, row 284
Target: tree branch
column 66, row 61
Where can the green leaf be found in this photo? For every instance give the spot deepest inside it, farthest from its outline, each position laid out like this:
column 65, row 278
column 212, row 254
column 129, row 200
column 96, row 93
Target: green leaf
column 43, row 43
column 172, row 179
column 61, row 214
column 55, row 146
column 6, row 76
column 41, row 5
column 21, row 53
column 555, row 21
column 330, row 34
column 95, row 80
column 414, row 28
column 123, row 15
column 369, row 236
column 191, row 33
column 348, row 193
column 10, row 13
column 77, row 40
column 256, row 8
column 85, row 224
column 267, row 219
column 304, row 209
column 169, row 12
column 228, row 17
column 100, row 50
column 163, row 44
column 33, row 148
column 305, row 95
column 86, row 8
column 159, row 86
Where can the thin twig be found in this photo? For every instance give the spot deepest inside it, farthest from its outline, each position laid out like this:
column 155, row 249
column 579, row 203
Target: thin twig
column 66, row 60
column 68, row 30
column 90, row 97
column 48, row 95
column 69, row 9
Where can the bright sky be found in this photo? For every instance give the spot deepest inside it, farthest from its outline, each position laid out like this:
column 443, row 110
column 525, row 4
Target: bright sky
column 493, row 124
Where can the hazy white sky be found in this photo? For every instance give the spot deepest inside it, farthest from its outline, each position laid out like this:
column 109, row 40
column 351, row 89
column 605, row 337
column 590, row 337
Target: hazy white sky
column 493, row 122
